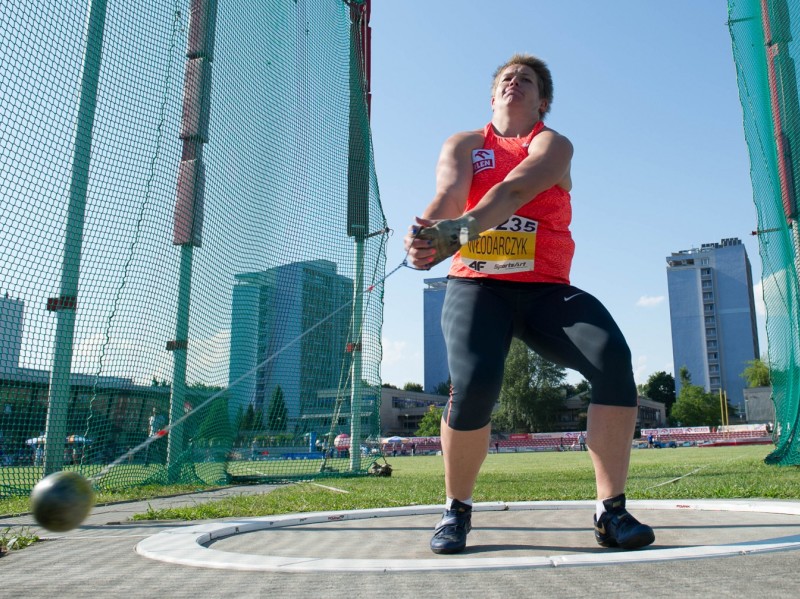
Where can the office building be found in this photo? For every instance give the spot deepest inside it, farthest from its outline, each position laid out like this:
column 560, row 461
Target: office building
column 270, row 311
column 436, row 370
column 12, row 313
column 712, row 316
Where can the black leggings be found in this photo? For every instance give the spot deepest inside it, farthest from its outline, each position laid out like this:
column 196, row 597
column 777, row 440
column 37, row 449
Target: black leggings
column 561, row 323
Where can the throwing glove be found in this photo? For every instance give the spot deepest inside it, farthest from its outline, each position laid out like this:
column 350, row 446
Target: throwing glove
column 447, row 236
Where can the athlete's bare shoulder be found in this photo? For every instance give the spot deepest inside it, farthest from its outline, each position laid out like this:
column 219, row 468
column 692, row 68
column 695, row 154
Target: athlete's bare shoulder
column 549, row 141
column 552, row 134
column 465, row 140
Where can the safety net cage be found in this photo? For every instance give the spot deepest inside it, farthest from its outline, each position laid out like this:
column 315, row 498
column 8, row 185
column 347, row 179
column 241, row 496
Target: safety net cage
column 192, row 243
column 765, row 35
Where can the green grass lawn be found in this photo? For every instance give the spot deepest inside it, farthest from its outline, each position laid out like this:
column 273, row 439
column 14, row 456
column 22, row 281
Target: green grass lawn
column 690, row 473
column 711, row 473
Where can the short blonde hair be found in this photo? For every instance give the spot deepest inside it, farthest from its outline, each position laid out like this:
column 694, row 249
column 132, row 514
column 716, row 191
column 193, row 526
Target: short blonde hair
column 543, row 76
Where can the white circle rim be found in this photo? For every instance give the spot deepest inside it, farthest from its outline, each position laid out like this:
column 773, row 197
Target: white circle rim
column 186, row 545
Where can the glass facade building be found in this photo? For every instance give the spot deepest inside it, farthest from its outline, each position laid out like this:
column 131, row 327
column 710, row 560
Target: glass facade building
column 271, row 310
column 712, row 317
column 436, row 369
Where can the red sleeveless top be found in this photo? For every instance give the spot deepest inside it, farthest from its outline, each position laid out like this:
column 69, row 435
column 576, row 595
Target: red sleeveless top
column 534, row 245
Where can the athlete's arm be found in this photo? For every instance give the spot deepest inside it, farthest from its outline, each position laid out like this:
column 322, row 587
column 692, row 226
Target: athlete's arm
column 453, row 176
column 546, row 165
column 453, row 181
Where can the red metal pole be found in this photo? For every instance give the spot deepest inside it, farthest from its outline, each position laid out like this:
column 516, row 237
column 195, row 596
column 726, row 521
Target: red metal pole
column 365, row 34
column 773, row 49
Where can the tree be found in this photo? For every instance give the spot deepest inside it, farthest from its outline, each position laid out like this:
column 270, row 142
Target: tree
column 251, row 419
column 757, row 373
column 203, row 387
column 412, row 387
column 582, row 386
column 431, row 423
column 684, row 376
column 277, row 413
column 443, row 388
column 696, row 407
column 532, row 394
column 215, row 429
column 660, row 386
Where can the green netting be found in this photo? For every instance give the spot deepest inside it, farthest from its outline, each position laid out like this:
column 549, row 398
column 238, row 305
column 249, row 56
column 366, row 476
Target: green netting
column 189, row 211
column 765, row 37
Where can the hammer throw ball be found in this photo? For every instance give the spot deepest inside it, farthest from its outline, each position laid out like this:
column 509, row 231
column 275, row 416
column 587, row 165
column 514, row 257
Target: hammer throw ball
column 61, row 501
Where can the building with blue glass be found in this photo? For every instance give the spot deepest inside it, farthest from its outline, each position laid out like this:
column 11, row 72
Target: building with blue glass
column 712, row 317
column 273, row 331
column 435, row 361
column 12, row 315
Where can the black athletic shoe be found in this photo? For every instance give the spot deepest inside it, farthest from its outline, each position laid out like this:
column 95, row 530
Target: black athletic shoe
column 450, row 534
column 617, row 528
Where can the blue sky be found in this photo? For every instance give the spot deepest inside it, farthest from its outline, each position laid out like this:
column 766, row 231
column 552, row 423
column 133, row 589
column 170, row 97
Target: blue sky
column 647, row 93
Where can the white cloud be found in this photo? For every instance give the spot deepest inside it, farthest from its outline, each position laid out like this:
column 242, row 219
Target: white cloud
column 114, row 356
column 143, row 359
column 758, row 294
column 648, row 301
column 394, row 352
column 208, row 359
column 402, row 362
column 640, row 372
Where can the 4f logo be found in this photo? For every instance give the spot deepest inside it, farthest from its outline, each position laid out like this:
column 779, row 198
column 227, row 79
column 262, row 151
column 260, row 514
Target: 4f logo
column 477, row 265
column 482, row 160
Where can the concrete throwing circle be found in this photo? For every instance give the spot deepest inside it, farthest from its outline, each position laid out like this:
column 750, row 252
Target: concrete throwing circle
column 191, row 545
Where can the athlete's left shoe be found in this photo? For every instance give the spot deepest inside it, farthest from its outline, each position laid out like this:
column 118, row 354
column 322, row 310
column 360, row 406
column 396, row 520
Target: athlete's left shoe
column 617, row 528
column 450, row 534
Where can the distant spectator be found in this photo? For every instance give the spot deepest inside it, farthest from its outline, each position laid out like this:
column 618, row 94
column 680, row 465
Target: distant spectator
column 154, row 423
column 155, row 450
column 582, row 442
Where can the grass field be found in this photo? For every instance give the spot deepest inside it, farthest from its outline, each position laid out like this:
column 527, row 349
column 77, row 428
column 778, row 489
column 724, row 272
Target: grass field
column 691, row 473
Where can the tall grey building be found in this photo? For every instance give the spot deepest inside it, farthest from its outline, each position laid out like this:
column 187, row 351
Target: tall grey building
column 12, row 314
column 271, row 310
column 436, row 369
column 712, row 316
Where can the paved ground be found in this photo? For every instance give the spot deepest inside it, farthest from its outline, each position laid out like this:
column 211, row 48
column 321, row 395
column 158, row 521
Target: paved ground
column 99, row 558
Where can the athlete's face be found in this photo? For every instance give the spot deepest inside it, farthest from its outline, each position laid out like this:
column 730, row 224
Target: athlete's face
column 518, row 85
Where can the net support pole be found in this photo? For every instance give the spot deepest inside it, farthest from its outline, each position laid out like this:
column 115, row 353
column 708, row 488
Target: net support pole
column 356, row 397
column 358, row 178
column 784, row 109
column 66, row 304
column 189, row 204
column 179, row 351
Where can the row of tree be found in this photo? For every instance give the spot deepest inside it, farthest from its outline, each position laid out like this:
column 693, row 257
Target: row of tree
column 534, row 389
column 531, row 400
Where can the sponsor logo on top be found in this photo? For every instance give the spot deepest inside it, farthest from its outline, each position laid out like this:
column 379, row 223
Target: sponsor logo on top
column 482, row 160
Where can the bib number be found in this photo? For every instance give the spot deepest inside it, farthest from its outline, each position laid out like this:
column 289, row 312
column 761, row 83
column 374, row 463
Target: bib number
column 508, row 248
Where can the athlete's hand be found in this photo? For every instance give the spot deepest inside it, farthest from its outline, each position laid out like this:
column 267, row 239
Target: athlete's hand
column 420, row 251
column 430, row 242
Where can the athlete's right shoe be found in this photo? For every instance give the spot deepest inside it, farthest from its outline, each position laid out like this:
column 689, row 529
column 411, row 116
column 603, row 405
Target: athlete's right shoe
column 450, row 534
column 617, row 528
